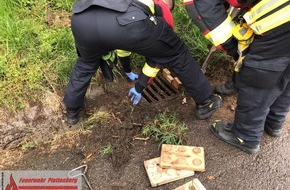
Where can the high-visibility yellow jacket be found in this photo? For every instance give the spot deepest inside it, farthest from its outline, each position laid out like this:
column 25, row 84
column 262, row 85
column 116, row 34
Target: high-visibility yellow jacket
column 264, row 17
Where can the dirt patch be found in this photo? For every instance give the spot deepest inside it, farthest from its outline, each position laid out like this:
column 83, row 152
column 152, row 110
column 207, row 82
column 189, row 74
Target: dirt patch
column 57, row 18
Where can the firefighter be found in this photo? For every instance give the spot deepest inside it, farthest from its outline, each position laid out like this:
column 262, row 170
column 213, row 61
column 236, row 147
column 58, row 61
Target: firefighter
column 125, row 56
column 258, row 38
column 101, row 26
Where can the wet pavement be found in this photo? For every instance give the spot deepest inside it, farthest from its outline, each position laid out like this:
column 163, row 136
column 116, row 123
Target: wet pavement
column 228, row 168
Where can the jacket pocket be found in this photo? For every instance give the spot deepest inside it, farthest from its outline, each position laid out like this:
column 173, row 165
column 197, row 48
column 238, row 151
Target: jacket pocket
column 132, row 15
column 260, row 77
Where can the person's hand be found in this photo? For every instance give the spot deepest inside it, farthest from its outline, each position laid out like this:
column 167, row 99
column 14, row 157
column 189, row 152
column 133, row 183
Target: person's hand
column 134, row 96
column 132, row 76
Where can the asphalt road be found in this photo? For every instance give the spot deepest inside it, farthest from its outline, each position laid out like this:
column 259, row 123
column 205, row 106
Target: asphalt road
column 232, row 169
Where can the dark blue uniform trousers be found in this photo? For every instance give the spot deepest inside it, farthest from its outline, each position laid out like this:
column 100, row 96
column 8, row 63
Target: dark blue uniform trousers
column 255, row 106
column 98, row 30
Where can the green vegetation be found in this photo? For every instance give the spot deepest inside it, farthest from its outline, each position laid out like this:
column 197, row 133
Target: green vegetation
column 37, row 49
column 35, row 56
column 166, row 129
column 99, row 116
column 192, row 36
column 106, row 150
column 28, row 144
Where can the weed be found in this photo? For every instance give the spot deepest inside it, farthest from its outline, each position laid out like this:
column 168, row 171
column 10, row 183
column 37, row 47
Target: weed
column 99, row 116
column 117, row 73
column 26, row 145
column 137, row 61
column 106, row 150
column 166, row 129
column 64, row 4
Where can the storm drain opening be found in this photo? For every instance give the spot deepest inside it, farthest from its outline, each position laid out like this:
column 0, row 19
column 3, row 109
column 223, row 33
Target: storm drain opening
column 159, row 90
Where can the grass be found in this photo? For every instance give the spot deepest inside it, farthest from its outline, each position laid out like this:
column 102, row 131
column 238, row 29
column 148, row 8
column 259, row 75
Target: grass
column 166, row 129
column 37, row 55
column 99, row 116
column 28, row 144
column 184, row 26
column 106, row 150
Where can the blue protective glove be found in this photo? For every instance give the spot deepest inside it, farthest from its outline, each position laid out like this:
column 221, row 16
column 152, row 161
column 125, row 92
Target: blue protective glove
column 132, row 76
column 134, row 96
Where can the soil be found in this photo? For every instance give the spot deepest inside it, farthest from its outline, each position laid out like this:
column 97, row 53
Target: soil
column 39, row 138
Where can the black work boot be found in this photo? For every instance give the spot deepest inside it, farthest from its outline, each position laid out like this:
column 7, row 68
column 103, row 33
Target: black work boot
column 208, row 107
column 224, row 132
column 73, row 115
column 273, row 131
column 226, row 89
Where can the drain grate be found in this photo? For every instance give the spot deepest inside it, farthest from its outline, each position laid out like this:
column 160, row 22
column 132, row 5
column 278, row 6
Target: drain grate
column 159, row 89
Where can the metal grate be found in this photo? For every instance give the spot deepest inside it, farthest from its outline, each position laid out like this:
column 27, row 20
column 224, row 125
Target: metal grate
column 159, row 89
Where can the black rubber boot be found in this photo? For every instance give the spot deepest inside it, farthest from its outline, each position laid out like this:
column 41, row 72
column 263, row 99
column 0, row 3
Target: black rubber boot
column 224, row 132
column 208, row 107
column 73, row 115
column 273, row 131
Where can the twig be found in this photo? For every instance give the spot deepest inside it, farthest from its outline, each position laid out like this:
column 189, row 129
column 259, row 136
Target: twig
column 137, row 124
column 116, row 118
column 141, row 139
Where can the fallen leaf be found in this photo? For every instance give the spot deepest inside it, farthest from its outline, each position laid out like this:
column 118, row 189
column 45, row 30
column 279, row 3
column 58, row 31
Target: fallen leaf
column 211, row 177
column 183, row 100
